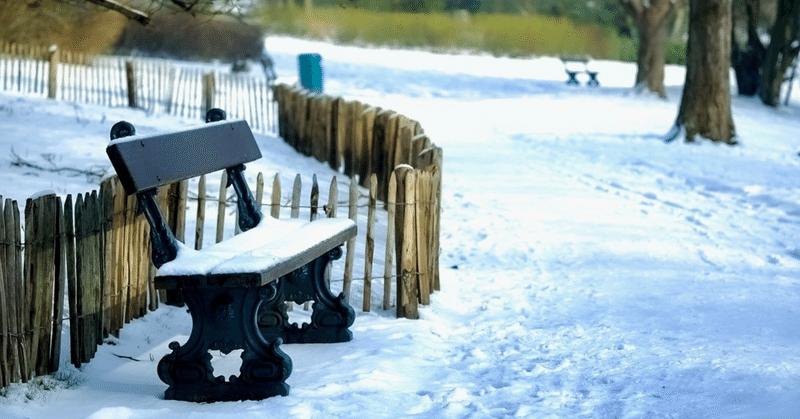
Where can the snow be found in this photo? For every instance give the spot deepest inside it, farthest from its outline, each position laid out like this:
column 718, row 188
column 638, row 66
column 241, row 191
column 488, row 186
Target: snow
column 270, row 243
column 588, row 268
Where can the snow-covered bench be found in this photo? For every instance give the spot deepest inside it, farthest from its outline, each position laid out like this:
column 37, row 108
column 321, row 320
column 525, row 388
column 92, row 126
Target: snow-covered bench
column 575, row 65
column 236, row 289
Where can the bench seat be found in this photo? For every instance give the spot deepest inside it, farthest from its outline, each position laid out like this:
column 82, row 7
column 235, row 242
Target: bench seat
column 272, row 249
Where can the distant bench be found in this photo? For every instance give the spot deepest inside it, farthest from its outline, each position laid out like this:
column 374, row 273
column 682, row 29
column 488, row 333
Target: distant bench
column 576, row 65
column 236, row 289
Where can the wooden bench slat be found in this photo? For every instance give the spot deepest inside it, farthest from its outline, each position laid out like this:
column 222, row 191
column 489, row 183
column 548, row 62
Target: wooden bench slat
column 145, row 162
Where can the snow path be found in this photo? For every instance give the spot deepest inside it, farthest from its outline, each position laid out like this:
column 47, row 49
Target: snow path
column 588, row 269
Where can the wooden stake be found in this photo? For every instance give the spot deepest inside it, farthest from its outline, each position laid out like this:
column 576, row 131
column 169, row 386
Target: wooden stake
column 58, row 289
column 369, row 251
column 223, row 194
column 5, row 370
column 259, row 190
column 423, row 227
column 407, row 290
column 296, row 197
column 201, row 213
column 276, row 197
column 391, row 207
column 333, row 199
column 352, row 213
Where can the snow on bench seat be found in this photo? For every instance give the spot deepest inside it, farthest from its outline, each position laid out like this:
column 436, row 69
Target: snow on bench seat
column 270, row 250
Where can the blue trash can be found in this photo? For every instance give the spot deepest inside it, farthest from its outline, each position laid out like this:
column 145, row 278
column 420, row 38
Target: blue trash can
column 310, row 71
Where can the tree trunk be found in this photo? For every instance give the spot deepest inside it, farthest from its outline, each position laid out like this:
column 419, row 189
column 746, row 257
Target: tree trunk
column 747, row 62
column 651, row 25
column 782, row 50
column 705, row 108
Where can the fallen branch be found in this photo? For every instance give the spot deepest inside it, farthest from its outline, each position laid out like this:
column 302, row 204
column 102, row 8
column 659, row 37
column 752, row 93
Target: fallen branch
column 93, row 174
column 124, row 10
column 126, row 357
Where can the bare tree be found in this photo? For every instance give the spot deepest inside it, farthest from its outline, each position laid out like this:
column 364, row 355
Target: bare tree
column 650, row 18
column 749, row 57
column 705, row 108
column 783, row 48
column 141, row 11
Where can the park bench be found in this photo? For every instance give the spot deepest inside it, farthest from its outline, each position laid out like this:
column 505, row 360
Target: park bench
column 235, row 290
column 576, row 65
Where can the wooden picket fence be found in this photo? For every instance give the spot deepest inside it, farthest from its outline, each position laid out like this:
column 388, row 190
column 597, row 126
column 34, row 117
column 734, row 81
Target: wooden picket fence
column 155, row 85
column 387, row 152
column 94, row 249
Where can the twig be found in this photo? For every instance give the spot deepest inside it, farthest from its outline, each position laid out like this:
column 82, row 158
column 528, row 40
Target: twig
column 126, row 357
column 93, row 175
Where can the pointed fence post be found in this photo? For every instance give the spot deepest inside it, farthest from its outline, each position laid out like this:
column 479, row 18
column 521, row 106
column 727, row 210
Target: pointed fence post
column 352, row 214
column 391, row 207
column 275, row 201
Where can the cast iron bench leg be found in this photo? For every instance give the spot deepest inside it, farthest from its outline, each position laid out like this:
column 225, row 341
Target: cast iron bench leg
column 224, row 319
column 593, row 78
column 331, row 316
column 572, row 77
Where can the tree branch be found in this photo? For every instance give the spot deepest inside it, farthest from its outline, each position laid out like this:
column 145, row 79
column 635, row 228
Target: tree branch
column 124, row 10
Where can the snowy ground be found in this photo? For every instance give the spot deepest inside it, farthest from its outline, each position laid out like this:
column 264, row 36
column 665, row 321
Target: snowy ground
column 589, row 269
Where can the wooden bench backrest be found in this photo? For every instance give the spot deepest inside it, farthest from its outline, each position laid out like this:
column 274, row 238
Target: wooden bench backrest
column 145, row 162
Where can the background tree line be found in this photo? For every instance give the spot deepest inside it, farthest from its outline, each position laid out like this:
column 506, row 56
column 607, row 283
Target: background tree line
column 760, row 39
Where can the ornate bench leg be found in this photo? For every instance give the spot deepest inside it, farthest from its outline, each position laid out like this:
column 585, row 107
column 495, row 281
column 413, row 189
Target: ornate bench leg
column 572, row 77
column 331, row 316
column 222, row 319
